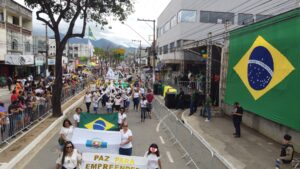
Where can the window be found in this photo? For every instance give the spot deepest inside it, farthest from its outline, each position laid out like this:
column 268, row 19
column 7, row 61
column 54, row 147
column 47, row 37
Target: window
column 187, row 16
column 27, row 47
column 173, row 21
column 216, row 17
column 1, row 17
column 178, row 43
column 262, row 17
column 167, row 27
column 160, row 50
column 165, row 49
column 161, row 31
column 245, row 19
column 172, row 47
column 14, row 45
column 15, row 21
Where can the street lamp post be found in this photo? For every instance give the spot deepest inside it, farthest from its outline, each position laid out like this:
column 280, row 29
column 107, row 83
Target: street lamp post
column 140, row 55
column 153, row 47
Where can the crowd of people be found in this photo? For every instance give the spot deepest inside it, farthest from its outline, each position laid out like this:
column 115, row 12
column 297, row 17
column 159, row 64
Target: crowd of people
column 31, row 99
column 106, row 97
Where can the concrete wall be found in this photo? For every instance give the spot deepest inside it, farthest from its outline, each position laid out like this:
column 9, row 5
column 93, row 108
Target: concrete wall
column 3, row 45
column 266, row 127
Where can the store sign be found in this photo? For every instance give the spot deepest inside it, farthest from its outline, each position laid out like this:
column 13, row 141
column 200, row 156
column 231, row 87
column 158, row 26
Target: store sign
column 14, row 59
column 39, row 61
column 51, row 61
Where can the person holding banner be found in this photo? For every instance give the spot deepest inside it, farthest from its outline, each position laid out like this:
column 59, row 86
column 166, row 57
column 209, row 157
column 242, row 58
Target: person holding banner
column 126, row 140
column 66, row 132
column 69, row 158
column 153, row 157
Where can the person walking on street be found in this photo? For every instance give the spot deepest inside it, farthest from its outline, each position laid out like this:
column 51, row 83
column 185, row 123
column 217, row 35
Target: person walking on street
column 76, row 116
column 149, row 97
column 88, row 101
column 286, row 154
column 194, row 102
column 143, row 108
column 69, row 158
column 207, row 107
column 237, row 115
column 153, row 157
column 126, row 140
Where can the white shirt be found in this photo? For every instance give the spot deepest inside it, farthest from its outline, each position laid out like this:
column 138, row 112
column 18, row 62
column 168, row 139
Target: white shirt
column 88, row 98
column 144, row 103
column 95, row 101
column 152, row 160
column 121, row 118
column 124, row 138
column 136, row 95
column 109, row 104
column 142, row 90
column 118, row 101
column 70, row 161
column 67, row 132
column 76, row 117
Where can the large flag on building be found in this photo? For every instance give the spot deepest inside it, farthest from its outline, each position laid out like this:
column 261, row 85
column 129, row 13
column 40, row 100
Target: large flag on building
column 99, row 121
column 264, row 68
column 96, row 141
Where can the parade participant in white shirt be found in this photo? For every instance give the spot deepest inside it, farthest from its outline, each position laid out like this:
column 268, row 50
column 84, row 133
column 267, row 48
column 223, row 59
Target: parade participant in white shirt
column 153, row 157
column 76, row 116
column 121, row 117
column 126, row 140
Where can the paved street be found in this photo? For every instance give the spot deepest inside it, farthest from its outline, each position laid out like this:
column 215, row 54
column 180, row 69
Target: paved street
column 143, row 134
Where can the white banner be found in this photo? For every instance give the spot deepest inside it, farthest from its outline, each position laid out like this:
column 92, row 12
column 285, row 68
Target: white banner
column 51, row 61
column 96, row 141
column 11, row 59
column 106, row 161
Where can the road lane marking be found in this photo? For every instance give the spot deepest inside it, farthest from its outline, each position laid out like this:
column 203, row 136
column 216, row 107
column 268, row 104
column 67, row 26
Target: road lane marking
column 170, row 157
column 162, row 140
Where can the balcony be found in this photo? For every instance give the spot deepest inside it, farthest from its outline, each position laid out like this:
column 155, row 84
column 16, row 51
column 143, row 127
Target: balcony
column 26, row 32
column 2, row 25
column 13, row 27
column 15, row 7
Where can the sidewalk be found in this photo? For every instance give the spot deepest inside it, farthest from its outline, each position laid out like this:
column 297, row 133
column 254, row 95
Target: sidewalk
column 251, row 151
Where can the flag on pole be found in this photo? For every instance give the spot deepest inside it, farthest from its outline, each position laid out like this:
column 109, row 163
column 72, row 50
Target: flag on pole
column 91, row 35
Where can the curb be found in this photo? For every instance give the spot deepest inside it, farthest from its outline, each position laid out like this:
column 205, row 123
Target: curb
column 214, row 152
column 38, row 139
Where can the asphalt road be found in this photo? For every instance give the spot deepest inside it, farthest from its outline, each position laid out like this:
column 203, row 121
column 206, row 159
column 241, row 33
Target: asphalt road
column 143, row 135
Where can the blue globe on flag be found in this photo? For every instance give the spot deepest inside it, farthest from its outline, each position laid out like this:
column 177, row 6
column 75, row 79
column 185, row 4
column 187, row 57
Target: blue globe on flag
column 260, row 68
column 99, row 125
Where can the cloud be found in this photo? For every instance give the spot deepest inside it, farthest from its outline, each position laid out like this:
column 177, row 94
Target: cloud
column 122, row 33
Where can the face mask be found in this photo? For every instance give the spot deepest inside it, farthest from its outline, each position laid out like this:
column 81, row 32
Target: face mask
column 153, row 150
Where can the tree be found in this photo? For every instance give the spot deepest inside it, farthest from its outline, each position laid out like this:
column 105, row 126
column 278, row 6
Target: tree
column 100, row 53
column 54, row 12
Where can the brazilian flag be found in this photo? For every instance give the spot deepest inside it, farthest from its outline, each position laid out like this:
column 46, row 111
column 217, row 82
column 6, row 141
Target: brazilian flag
column 99, row 121
column 264, row 68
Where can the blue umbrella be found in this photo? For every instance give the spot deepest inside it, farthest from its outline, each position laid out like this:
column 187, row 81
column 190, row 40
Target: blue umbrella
column 3, row 109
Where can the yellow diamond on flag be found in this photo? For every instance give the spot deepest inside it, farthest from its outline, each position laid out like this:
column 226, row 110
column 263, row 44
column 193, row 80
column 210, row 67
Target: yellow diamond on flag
column 262, row 68
column 99, row 124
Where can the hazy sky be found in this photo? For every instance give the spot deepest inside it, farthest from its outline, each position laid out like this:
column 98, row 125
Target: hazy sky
column 120, row 33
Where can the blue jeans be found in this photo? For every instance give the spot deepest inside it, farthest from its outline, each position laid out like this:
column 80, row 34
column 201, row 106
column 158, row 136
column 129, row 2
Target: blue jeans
column 207, row 112
column 193, row 107
column 143, row 113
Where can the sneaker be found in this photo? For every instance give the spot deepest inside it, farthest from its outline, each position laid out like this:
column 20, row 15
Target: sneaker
column 206, row 120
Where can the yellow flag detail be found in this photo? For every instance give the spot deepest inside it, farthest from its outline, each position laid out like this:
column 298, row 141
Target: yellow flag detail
column 262, row 68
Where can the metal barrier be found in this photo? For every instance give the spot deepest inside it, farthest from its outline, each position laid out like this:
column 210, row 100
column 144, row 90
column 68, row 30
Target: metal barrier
column 16, row 123
column 193, row 147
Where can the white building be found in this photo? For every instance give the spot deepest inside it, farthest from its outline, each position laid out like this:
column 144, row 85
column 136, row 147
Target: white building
column 16, row 56
column 184, row 22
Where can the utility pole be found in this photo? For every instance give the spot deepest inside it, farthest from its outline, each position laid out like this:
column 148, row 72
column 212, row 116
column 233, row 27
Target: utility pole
column 208, row 64
column 153, row 47
column 47, row 51
column 140, row 56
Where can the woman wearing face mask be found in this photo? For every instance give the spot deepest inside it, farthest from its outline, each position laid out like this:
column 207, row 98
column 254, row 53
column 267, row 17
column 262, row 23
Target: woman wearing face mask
column 153, row 157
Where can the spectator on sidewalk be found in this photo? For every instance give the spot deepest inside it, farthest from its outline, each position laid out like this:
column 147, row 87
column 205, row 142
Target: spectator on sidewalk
column 180, row 99
column 9, row 82
column 286, row 154
column 194, row 102
column 237, row 115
